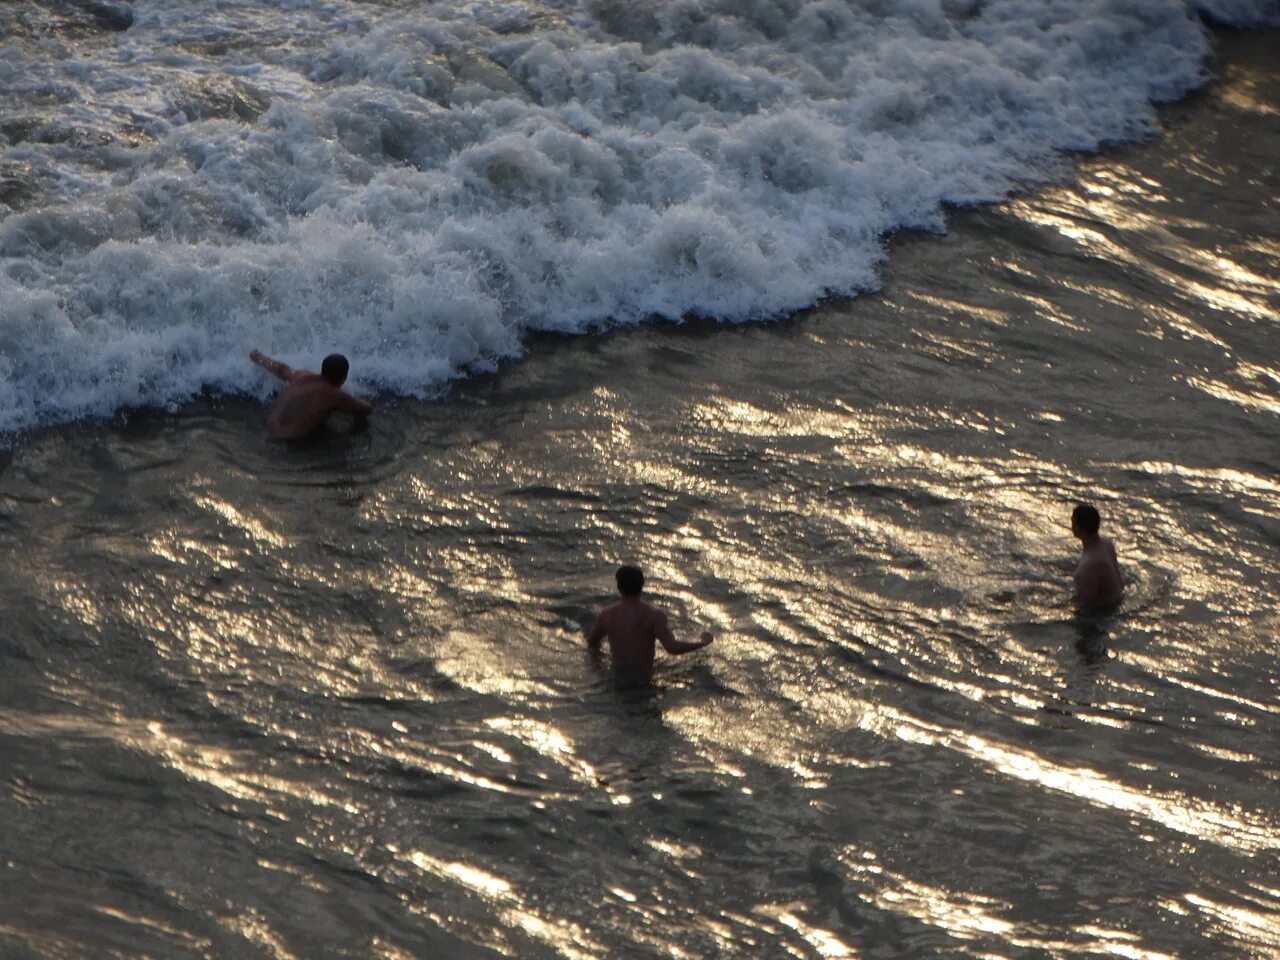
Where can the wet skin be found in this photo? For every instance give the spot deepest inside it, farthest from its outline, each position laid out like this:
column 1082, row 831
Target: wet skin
column 632, row 625
column 1099, row 586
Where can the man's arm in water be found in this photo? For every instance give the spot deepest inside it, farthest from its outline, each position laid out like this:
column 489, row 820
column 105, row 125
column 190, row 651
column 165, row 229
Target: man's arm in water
column 350, row 404
column 1115, row 565
column 674, row 646
column 274, row 367
column 597, row 633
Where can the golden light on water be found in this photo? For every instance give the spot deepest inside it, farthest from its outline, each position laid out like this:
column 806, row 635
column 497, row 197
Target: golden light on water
column 963, row 915
column 187, row 939
column 467, row 875
column 824, row 942
column 1222, row 477
column 230, row 773
column 546, row 740
column 257, row 930
column 1245, row 95
column 1258, row 927
column 1248, row 399
column 796, row 419
column 1199, row 819
column 1116, row 943
column 254, row 528
column 567, row 938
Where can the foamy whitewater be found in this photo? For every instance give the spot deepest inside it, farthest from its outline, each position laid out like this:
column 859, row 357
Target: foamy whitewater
column 421, row 185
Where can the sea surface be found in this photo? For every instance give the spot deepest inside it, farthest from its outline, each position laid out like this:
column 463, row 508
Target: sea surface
column 331, row 699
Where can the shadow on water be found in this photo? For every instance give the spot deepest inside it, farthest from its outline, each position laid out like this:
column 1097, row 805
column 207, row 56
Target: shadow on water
column 1084, row 673
column 1091, row 640
column 1088, row 685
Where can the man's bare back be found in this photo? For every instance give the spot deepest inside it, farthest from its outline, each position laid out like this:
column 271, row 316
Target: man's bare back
column 1099, row 585
column 1098, row 582
column 308, row 398
column 633, row 625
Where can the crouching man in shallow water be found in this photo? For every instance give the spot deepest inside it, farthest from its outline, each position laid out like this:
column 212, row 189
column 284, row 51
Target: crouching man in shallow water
column 308, row 398
column 632, row 625
column 1099, row 587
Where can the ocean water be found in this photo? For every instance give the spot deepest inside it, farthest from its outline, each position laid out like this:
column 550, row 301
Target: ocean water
column 425, row 184
column 262, row 700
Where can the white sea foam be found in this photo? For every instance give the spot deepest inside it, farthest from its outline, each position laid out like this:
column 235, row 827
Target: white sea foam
column 420, row 185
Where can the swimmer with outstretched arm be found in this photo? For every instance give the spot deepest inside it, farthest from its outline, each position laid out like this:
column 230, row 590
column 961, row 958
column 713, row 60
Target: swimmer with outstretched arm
column 632, row 625
column 308, row 398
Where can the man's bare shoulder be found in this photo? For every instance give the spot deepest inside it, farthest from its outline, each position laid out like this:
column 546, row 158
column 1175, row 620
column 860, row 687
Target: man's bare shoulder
column 632, row 611
column 608, row 613
column 648, row 617
column 1102, row 552
column 1092, row 561
column 656, row 614
column 305, row 379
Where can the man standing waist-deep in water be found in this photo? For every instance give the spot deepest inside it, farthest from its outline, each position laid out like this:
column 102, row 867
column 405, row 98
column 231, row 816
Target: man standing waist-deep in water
column 308, row 398
column 632, row 625
column 1099, row 586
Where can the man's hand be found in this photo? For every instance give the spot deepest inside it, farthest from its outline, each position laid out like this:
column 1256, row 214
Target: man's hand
column 669, row 643
column 274, row 367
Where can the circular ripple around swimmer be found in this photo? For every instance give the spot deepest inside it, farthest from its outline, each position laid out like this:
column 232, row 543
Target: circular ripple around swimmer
column 336, row 456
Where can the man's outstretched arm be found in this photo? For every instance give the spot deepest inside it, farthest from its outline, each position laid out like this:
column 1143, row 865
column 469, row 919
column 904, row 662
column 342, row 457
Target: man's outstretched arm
column 274, row 367
column 674, row 646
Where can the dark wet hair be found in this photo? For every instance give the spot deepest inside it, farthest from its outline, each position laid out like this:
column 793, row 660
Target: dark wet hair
column 334, row 368
column 630, row 580
column 1085, row 518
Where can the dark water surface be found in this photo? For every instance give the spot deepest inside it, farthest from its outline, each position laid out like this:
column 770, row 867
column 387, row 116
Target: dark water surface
column 331, row 700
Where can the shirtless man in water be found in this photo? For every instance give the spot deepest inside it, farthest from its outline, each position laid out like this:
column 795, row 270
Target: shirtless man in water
column 308, row 398
column 1098, row 584
column 632, row 625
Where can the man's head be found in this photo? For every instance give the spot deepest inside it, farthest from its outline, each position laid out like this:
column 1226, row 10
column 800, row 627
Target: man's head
column 334, row 369
column 630, row 580
column 1085, row 520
